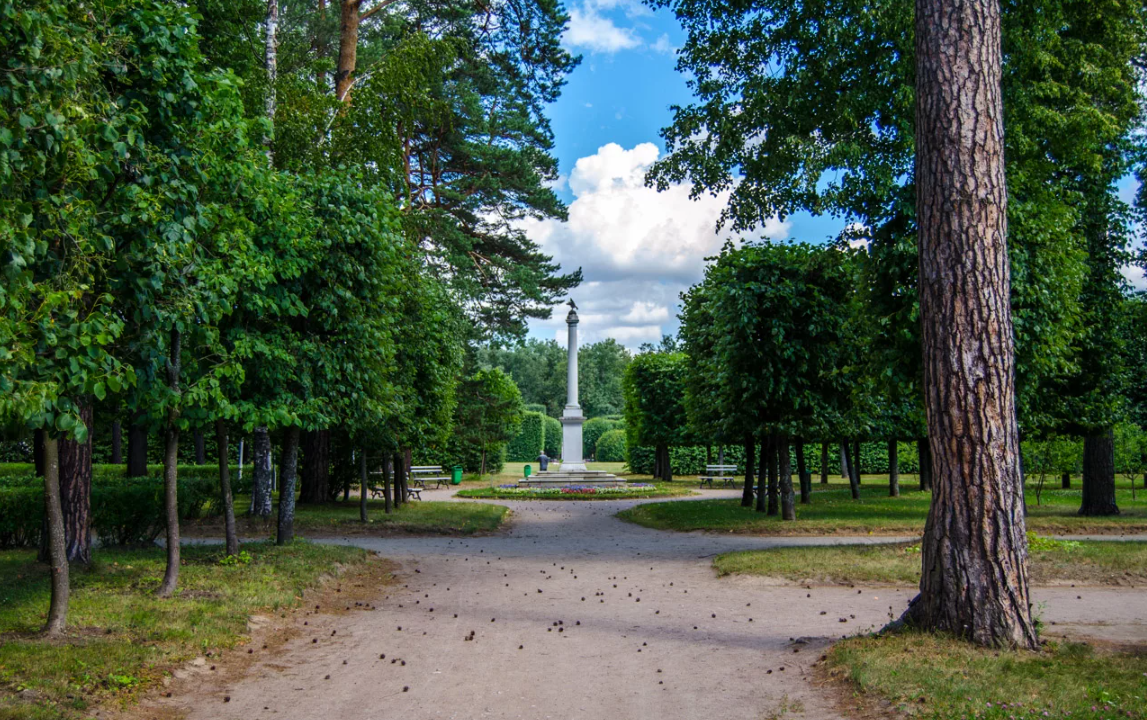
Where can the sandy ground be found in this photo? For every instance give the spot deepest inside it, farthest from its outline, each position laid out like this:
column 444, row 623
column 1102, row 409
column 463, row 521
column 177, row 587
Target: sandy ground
column 574, row 614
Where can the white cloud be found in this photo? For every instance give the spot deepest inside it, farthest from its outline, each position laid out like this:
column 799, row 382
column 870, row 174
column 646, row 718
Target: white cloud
column 663, row 45
column 638, row 248
column 1135, row 276
column 594, row 32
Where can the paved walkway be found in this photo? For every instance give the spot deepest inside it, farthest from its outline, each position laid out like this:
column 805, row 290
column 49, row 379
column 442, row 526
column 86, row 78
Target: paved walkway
column 576, row 614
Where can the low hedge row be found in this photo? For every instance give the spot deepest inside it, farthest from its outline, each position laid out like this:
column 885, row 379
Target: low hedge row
column 691, row 460
column 125, row 511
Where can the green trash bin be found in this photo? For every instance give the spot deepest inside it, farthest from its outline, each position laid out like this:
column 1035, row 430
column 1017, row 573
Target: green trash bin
column 456, row 475
column 527, row 471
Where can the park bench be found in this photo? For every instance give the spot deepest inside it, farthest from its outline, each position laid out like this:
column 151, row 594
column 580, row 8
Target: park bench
column 422, row 474
column 725, row 473
column 411, row 492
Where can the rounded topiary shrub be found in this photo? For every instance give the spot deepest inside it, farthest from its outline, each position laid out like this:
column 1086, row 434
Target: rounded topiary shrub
column 593, row 429
column 610, row 447
column 553, row 438
column 531, row 438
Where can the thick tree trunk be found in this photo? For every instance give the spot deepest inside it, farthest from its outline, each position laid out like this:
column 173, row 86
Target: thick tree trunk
column 200, row 448
column 1065, row 481
column 314, row 486
column 58, row 607
column 893, row 469
column 222, row 443
column 803, row 473
column 261, row 492
column 974, row 580
column 137, row 449
column 1099, row 475
column 774, row 500
column 850, row 464
column 666, row 467
column 785, row 470
column 348, row 48
column 924, row 454
column 363, row 485
column 75, row 460
column 857, row 467
column 117, row 442
column 824, row 463
column 170, row 477
column 747, row 492
column 287, row 479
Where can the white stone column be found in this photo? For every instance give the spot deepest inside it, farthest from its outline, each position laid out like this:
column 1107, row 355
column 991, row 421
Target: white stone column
column 571, row 367
column 572, row 419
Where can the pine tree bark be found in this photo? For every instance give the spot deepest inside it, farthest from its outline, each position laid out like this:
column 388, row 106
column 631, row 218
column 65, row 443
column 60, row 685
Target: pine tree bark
column 850, row 464
column 222, row 443
column 58, row 607
column 117, row 442
column 924, row 454
column 287, row 480
column 747, row 492
column 974, row 580
column 170, row 476
column 785, row 470
column 774, row 500
column 314, row 486
column 893, row 469
column 363, row 485
column 75, row 484
column 137, row 448
column 803, row 473
column 348, row 48
column 261, row 492
column 824, row 463
column 1099, row 475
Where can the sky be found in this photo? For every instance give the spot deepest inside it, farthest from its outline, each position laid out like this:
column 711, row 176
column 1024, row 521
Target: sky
column 638, row 249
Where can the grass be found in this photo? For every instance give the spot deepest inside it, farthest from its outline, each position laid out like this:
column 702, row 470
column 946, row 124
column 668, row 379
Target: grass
column 121, row 637
column 660, row 490
column 933, row 676
column 418, row 517
column 834, row 512
column 1085, row 562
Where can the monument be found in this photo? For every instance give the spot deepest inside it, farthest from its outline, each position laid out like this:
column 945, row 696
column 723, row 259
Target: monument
column 572, row 470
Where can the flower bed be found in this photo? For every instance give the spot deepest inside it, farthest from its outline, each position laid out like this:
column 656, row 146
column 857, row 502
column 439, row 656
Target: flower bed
column 628, row 489
column 576, row 492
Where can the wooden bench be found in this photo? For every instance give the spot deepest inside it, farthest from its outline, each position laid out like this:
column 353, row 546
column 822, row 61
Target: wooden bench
column 415, row 492
column 725, row 473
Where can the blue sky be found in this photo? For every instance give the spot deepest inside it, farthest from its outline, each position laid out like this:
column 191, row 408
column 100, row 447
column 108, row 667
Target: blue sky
column 638, row 249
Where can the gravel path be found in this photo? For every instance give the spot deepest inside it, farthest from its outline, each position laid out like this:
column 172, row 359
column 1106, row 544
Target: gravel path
column 575, row 614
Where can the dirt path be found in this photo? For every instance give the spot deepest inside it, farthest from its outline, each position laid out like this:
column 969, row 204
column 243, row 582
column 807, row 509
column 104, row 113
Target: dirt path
column 575, row 614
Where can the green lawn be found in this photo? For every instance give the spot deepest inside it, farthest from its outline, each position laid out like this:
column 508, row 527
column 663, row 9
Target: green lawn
column 660, row 490
column 425, row 517
column 122, row 638
column 933, row 676
column 1089, row 562
column 834, row 512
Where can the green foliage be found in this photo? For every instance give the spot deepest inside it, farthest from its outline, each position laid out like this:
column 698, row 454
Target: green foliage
column 553, row 437
column 488, row 416
column 654, row 399
column 539, row 369
column 610, row 447
column 528, row 444
column 591, row 431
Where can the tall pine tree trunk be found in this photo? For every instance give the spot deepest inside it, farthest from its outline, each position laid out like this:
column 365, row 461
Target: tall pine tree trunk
column 824, row 463
column 348, row 48
column 974, row 580
column 170, row 476
column 850, row 464
column 747, row 492
column 803, row 473
column 117, row 442
column 893, row 469
column 261, row 491
column 924, row 455
column 287, row 478
column 785, row 470
column 222, row 443
column 1099, row 475
column 58, row 607
column 75, row 466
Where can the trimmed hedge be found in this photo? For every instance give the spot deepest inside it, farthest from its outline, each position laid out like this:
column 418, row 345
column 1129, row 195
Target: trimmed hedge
column 530, row 440
column 536, row 407
column 610, row 447
column 593, row 429
column 125, row 511
column 690, row 460
column 553, row 438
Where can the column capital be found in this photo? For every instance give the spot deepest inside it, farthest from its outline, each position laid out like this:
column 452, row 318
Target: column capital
column 572, row 319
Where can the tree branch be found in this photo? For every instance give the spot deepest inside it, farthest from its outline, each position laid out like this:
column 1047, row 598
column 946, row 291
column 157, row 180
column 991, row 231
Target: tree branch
column 376, row 8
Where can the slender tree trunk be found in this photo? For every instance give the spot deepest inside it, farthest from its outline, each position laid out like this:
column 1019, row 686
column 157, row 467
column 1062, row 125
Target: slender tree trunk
column 1099, row 475
column 387, row 464
column 200, row 448
column 924, row 453
column 271, row 63
column 261, row 491
column 974, row 580
column 857, row 466
column 803, row 473
column 363, row 485
column 824, row 463
column 1065, row 481
column 170, row 476
column 44, row 554
column 845, row 473
column 708, row 454
column 399, row 481
column 774, row 507
column 720, row 454
column 222, row 443
column 75, row 466
column 850, row 465
column 893, row 469
column 137, row 448
column 58, row 607
column 289, row 473
column 314, row 487
column 747, row 493
column 763, row 474
column 666, row 467
column 117, row 442
column 785, row 469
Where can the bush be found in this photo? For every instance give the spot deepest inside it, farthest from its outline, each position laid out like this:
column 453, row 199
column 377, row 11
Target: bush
column 536, row 407
column 530, row 440
column 610, row 447
column 553, row 438
column 593, row 429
